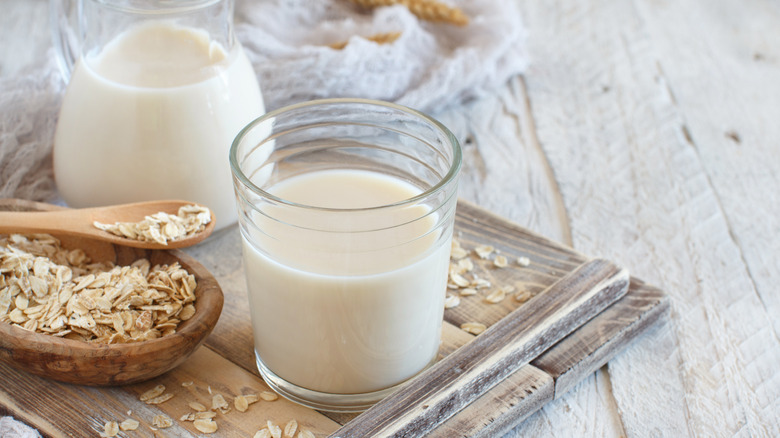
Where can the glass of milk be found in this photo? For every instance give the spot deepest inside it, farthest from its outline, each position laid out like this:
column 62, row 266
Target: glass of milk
column 157, row 91
column 346, row 211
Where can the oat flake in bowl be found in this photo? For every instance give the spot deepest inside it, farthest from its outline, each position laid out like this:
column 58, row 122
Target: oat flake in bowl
column 98, row 363
column 48, row 289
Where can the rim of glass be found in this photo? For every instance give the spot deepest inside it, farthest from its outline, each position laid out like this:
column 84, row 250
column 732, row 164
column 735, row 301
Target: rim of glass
column 162, row 7
column 449, row 176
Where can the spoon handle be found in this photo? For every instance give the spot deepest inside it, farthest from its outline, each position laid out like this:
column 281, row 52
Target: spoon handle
column 73, row 221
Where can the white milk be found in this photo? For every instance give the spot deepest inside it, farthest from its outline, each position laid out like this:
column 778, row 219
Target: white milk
column 152, row 117
column 349, row 313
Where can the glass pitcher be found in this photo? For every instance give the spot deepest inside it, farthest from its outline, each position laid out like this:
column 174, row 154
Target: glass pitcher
column 157, row 91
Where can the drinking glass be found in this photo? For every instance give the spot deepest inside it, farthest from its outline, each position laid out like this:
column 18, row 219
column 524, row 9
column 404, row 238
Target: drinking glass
column 346, row 210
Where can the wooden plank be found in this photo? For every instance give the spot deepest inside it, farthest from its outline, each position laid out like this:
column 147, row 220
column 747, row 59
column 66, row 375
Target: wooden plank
column 63, row 410
column 460, row 378
column 592, row 345
column 565, row 364
column 640, row 144
column 504, row 406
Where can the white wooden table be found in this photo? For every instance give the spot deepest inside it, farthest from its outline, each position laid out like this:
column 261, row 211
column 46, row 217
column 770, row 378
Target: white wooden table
column 646, row 132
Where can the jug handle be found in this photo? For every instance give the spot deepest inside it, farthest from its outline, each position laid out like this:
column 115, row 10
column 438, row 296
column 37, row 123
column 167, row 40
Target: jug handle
column 63, row 20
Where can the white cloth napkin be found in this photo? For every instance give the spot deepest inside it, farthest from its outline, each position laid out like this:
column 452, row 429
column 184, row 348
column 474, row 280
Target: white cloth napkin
column 429, row 67
column 10, row 428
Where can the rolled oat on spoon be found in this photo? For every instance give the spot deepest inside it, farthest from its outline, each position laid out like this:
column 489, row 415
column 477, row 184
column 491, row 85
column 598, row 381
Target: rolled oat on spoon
column 149, row 225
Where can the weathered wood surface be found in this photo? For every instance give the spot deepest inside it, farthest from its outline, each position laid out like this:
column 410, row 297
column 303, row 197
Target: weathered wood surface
column 226, row 364
column 644, row 132
column 468, row 373
column 659, row 122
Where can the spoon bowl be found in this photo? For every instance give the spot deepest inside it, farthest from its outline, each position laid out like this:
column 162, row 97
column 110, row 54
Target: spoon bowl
column 80, row 222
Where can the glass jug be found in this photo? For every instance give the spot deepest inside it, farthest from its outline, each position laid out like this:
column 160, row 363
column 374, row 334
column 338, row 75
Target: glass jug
column 157, row 91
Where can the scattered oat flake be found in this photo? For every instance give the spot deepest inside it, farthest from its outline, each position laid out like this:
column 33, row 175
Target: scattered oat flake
column 465, row 265
column 152, row 393
column 458, row 253
column 110, row 429
column 251, row 398
column 500, row 262
column 290, row 428
column 268, row 396
column 162, row 421
column 197, row 406
column 240, row 403
column 480, row 283
column 468, row 291
column 276, row 431
column 159, row 399
column 306, row 433
column 451, row 301
column 218, row 402
column 523, row 261
column 474, row 328
column 496, row 296
column 129, row 424
column 484, row 251
column 459, row 280
column 262, row 433
column 187, row 384
column 205, row 425
column 523, row 296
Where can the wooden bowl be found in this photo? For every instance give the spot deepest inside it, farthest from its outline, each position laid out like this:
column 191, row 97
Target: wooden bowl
column 95, row 364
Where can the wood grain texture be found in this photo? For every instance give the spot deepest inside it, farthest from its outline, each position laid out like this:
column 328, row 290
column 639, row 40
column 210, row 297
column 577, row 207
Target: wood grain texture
column 503, row 407
column 648, row 198
column 584, row 351
column 724, row 83
column 64, row 410
column 460, row 378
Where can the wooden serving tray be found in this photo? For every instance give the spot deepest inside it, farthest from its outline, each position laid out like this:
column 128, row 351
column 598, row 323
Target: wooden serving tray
column 225, row 365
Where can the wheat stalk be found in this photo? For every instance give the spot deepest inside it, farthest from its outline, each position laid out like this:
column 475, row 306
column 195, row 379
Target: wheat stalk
column 380, row 38
column 430, row 10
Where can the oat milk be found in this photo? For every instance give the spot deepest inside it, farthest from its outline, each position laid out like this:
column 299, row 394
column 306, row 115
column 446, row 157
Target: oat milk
column 152, row 117
column 347, row 312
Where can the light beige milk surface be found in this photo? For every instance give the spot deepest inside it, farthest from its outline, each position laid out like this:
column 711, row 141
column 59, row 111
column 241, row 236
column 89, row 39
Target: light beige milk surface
column 347, row 312
column 152, row 116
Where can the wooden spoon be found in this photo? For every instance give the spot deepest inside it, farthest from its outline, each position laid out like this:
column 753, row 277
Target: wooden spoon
column 79, row 222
